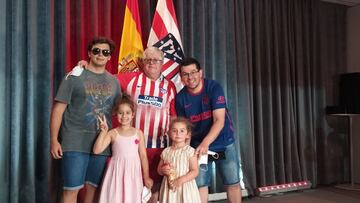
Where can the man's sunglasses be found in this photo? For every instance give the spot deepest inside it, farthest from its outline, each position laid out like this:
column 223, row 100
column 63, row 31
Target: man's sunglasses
column 105, row 52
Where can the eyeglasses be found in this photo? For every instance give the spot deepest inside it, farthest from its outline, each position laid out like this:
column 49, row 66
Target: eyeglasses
column 152, row 61
column 105, row 52
column 187, row 75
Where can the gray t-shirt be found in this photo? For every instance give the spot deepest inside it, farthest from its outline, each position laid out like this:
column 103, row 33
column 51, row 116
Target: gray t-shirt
column 88, row 96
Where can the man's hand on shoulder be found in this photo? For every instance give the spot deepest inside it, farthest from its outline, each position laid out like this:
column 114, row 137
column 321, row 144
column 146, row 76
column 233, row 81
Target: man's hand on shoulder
column 83, row 63
column 76, row 71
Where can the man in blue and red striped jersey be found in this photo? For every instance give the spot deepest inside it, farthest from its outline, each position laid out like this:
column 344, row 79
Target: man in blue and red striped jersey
column 203, row 102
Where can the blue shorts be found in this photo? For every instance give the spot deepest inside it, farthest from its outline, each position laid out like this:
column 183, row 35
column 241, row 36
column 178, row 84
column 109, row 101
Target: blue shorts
column 229, row 169
column 79, row 168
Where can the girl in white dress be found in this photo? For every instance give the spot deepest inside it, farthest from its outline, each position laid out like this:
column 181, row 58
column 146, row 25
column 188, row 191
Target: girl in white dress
column 179, row 166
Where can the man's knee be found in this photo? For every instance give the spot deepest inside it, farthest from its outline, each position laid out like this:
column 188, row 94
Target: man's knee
column 234, row 187
column 70, row 194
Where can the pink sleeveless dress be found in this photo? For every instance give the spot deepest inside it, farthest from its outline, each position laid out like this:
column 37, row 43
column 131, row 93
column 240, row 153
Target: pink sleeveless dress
column 123, row 178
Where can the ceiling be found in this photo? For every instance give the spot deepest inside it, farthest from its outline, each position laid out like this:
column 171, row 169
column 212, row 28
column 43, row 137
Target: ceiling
column 345, row 2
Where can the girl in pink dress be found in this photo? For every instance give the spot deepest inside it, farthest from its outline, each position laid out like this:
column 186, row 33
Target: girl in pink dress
column 179, row 166
column 128, row 169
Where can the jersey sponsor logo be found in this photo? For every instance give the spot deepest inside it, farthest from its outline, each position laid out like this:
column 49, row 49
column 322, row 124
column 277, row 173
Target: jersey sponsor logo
column 199, row 117
column 150, row 100
column 220, row 100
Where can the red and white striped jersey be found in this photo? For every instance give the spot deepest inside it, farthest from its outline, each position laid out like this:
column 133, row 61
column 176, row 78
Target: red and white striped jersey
column 155, row 102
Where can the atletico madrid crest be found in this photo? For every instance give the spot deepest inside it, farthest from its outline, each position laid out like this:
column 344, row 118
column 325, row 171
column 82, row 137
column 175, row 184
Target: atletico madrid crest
column 171, row 48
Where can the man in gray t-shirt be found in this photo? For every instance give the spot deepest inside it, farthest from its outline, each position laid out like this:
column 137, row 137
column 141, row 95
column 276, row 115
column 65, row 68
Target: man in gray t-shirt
column 83, row 96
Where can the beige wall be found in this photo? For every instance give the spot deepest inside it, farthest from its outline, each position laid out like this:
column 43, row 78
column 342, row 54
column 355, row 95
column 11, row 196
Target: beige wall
column 353, row 65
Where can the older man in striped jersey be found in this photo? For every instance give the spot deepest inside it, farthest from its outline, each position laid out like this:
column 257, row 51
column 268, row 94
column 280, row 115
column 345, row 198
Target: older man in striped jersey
column 155, row 99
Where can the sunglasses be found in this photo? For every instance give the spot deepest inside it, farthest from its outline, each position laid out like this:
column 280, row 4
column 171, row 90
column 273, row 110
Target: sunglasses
column 105, row 52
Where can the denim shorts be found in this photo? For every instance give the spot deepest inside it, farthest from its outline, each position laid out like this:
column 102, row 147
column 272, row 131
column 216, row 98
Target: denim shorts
column 79, row 168
column 228, row 168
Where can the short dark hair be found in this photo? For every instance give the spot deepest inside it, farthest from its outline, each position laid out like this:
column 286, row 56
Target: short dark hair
column 189, row 61
column 101, row 40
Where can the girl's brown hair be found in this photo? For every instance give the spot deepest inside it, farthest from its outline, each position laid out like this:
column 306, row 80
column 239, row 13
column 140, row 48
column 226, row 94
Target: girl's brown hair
column 182, row 120
column 125, row 99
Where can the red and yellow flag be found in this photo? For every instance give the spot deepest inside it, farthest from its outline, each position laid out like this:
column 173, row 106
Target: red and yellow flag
column 131, row 46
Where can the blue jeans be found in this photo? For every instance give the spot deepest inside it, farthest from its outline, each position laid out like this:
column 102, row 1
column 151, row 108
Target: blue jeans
column 229, row 169
column 79, row 168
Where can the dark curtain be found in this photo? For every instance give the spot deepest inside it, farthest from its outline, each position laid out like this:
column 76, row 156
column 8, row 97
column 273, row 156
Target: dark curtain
column 25, row 92
column 278, row 62
column 333, row 139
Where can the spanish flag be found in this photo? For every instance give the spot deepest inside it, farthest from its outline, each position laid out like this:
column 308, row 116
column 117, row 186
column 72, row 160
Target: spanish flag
column 131, row 46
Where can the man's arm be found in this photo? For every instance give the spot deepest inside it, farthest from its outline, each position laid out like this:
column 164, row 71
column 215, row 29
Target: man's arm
column 125, row 78
column 172, row 104
column 218, row 124
column 55, row 123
